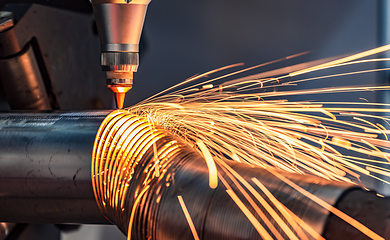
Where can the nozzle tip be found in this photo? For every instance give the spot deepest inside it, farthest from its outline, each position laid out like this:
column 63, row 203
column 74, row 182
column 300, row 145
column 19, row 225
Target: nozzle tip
column 119, row 100
column 120, row 94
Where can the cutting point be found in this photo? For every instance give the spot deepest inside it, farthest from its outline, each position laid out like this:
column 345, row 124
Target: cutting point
column 120, row 94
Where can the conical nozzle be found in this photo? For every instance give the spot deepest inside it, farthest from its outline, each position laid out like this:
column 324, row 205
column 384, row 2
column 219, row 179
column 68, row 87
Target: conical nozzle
column 120, row 94
column 119, row 100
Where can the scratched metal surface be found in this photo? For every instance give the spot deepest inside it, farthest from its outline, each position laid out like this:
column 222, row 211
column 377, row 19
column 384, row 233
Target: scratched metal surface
column 45, row 167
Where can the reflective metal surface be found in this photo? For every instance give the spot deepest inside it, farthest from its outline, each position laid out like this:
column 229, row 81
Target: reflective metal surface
column 22, row 81
column 120, row 61
column 45, row 162
column 120, row 24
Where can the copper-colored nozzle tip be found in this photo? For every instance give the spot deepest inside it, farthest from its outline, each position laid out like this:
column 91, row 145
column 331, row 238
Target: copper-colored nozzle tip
column 120, row 94
column 119, row 100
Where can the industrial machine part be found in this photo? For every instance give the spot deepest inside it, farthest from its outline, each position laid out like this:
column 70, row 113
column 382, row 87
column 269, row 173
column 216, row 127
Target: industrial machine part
column 66, row 48
column 19, row 70
column 120, row 25
column 45, row 176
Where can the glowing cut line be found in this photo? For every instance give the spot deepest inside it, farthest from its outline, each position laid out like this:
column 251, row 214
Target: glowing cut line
column 157, row 162
column 188, row 217
column 133, row 210
column 213, row 176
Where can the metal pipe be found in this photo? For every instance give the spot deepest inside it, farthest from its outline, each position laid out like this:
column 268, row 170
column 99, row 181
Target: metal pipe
column 45, row 173
column 45, row 176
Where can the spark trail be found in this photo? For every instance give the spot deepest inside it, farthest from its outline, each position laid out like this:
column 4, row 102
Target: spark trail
column 242, row 121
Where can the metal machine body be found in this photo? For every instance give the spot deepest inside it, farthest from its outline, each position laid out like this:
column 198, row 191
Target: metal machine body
column 119, row 24
column 65, row 48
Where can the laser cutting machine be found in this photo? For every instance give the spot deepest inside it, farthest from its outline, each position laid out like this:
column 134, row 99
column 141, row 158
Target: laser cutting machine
column 119, row 25
column 51, row 58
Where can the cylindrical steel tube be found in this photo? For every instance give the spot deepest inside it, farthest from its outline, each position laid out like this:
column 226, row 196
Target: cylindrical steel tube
column 22, row 81
column 45, row 168
column 45, row 176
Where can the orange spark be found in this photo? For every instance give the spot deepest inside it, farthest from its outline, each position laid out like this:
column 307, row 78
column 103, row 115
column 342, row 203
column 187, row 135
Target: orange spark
column 343, row 60
column 213, row 177
column 188, row 217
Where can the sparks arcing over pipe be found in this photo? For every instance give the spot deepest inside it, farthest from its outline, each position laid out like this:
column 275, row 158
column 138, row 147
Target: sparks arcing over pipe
column 139, row 174
column 139, row 191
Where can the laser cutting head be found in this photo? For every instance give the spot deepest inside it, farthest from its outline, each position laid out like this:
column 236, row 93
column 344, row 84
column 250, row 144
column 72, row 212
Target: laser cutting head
column 119, row 24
